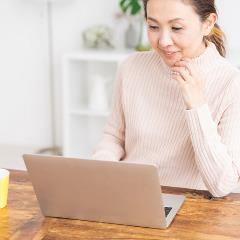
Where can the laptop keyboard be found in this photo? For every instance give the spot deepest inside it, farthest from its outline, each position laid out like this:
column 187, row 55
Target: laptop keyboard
column 167, row 210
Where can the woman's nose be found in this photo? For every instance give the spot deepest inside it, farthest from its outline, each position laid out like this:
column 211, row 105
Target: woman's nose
column 164, row 39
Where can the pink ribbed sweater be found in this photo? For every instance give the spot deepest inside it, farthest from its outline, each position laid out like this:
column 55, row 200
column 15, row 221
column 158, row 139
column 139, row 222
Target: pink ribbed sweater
column 197, row 148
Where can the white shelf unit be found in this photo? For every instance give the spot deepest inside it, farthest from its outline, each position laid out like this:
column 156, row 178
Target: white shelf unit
column 83, row 125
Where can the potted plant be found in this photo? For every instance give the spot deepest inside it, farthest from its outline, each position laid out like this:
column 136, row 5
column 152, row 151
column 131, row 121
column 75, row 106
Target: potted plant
column 133, row 10
column 131, row 6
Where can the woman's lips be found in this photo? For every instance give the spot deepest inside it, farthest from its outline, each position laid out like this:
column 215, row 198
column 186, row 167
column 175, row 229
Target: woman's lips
column 170, row 54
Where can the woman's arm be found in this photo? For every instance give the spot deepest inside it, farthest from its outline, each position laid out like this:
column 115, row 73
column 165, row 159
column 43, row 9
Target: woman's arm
column 111, row 147
column 217, row 147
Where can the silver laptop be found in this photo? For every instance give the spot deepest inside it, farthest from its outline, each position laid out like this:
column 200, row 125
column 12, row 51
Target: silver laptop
column 102, row 191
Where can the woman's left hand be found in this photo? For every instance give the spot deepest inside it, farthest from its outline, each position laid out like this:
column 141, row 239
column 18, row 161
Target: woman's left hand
column 191, row 83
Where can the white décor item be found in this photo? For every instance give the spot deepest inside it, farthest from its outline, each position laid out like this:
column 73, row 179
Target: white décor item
column 98, row 36
column 88, row 79
column 98, row 100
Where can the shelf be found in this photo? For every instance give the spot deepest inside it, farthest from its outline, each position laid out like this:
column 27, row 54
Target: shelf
column 100, row 55
column 88, row 78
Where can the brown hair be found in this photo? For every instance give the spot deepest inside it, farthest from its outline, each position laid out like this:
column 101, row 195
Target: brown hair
column 204, row 8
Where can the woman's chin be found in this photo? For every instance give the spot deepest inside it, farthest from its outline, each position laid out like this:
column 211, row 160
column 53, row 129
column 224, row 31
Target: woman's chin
column 170, row 61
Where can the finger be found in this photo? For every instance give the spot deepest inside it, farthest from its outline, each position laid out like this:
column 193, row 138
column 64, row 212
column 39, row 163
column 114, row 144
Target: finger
column 176, row 76
column 183, row 72
column 195, row 75
column 188, row 65
column 184, row 64
column 189, row 69
column 180, row 63
column 191, row 66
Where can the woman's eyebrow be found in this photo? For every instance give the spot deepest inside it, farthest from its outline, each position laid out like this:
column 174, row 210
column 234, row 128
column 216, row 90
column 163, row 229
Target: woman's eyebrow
column 152, row 19
column 176, row 19
column 172, row 20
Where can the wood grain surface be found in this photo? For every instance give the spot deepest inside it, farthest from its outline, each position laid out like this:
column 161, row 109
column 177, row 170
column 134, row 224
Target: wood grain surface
column 201, row 217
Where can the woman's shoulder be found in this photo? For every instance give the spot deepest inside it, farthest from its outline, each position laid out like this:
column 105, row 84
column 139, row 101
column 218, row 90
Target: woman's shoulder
column 226, row 69
column 235, row 79
column 226, row 65
column 230, row 76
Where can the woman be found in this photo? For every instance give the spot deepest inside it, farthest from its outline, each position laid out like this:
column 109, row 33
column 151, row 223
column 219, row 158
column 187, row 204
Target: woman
column 178, row 106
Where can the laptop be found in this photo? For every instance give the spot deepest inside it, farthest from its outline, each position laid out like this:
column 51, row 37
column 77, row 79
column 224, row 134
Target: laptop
column 102, row 191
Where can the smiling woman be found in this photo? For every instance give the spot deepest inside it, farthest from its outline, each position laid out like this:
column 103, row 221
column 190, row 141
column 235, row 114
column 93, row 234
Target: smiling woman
column 178, row 105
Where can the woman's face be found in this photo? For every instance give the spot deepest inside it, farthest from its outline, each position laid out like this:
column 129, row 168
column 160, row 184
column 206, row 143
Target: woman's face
column 175, row 30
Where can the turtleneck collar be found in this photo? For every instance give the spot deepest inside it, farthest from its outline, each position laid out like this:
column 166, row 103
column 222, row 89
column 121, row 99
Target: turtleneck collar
column 208, row 57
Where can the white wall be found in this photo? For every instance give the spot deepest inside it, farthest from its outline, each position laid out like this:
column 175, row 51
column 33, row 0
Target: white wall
column 24, row 91
column 24, row 83
column 229, row 19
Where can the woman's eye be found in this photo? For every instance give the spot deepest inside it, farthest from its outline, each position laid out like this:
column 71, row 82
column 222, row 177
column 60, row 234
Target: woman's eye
column 152, row 27
column 176, row 28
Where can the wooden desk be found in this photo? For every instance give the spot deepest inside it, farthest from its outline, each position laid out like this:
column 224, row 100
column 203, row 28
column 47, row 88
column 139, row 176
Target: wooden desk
column 199, row 218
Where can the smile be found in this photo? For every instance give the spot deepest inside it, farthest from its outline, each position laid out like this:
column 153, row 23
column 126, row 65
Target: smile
column 169, row 54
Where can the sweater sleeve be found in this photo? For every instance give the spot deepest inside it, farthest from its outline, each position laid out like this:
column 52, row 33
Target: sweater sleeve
column 111, row 146
column 217, row 146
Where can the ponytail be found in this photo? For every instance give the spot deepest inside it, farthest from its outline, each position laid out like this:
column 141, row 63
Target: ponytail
column 217, row 37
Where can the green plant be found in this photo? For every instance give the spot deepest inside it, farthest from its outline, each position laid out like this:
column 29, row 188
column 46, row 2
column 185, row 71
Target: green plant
column 132, row 7
column 135, row 8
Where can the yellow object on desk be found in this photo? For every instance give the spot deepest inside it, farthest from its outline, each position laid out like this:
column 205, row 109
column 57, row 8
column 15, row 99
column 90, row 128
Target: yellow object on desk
column 4, row 182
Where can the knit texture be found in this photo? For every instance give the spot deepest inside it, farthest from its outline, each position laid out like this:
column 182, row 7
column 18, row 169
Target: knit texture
column 149, row 123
